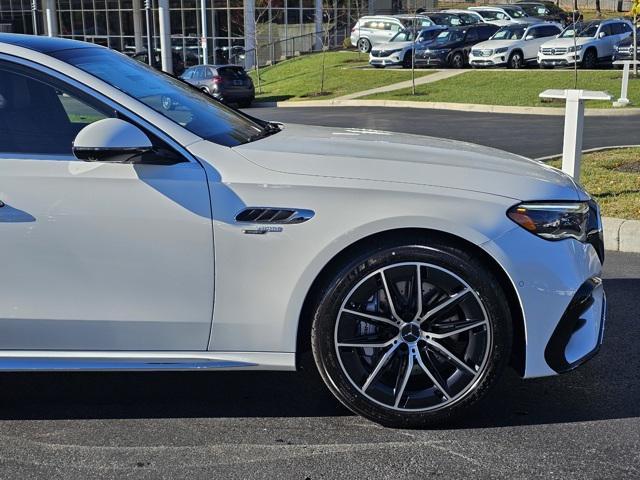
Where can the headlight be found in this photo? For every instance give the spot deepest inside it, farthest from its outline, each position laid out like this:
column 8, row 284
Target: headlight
column 501, row 50
column 576, row 49
column 555, row 220
column 540, row 49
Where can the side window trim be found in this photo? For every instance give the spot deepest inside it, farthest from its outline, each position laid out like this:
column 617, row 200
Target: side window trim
column 120, row 110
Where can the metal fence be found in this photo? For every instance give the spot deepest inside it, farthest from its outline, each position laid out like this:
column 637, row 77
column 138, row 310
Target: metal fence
column 270, row 53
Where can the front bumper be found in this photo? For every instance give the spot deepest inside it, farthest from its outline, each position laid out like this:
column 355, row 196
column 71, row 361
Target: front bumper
column 492, row 61
column 432, row 59
column 385, row 61
column 548, row 277
column 559, row 60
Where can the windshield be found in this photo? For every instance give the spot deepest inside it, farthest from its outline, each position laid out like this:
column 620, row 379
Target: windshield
column 492, row 15
column 404, row 36
column 509, row 33
column 588, row 30
column 188, row 107
column 449, row 36
column 515, row 12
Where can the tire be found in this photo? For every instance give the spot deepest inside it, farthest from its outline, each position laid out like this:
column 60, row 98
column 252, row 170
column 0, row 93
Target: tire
column 205, row 90
column 364, row 45
column 516, row 60
column 590, row 59
column 390, row 383
column 457, row 60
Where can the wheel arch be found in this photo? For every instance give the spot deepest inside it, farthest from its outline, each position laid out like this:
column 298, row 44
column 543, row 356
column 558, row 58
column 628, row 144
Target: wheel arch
column 304, row 359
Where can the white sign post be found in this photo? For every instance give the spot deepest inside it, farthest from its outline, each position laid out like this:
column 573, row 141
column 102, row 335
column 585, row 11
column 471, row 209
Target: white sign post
column 623, row 101
column 573, row 125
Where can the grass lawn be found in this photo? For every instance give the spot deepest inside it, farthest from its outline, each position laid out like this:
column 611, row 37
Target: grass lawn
column 299, row 78
column 613, row 177
column 500, row 87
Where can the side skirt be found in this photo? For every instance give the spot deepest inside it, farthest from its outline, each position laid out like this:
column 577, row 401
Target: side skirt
column 20, row 361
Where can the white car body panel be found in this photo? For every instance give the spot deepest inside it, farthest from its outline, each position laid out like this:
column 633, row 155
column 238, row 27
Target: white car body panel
column 156, row 261
column 98, row 244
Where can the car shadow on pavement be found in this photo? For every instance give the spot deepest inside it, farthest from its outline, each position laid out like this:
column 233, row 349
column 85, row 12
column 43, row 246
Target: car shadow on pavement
column 605, row 388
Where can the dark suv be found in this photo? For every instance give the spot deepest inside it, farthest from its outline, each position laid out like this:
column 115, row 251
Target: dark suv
column 451, row 47
column 227, row 83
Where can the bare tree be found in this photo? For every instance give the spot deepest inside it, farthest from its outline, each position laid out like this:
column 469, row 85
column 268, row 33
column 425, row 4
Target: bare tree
column 262, row 18
column 327, row 23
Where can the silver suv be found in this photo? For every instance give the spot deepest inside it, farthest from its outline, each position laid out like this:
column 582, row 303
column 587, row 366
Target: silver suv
column 374, row 29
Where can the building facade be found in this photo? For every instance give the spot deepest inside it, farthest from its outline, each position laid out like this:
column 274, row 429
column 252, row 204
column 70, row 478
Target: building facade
column 227, row 30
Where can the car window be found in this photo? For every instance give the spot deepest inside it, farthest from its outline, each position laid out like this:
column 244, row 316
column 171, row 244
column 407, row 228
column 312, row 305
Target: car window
column 39, row 115
column 188, row 75
column 469, row 19
column 424, row 22
column 208, row 73
column 590, row 30
column 235, row 73
column 490, row 14
column 403, row 36
column 509, row 33
column 534, row 32
column 449, row 36
column 549, row 31
column 188, row 107
column 606, row 29
column 515, row 12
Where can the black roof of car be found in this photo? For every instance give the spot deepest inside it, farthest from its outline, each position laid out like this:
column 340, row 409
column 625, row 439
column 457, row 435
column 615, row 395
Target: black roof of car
column 43, row 44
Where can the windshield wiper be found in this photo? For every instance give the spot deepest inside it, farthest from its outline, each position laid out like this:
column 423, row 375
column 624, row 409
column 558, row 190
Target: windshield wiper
column 268, row 129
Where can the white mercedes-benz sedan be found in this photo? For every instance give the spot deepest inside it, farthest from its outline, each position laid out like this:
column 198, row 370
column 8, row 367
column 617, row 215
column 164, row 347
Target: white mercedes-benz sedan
column 146, row 226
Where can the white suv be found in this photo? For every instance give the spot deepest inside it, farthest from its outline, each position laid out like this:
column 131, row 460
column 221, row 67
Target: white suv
column 372, row 30
column 504, row 15
column 513, row 45
column 594, row 43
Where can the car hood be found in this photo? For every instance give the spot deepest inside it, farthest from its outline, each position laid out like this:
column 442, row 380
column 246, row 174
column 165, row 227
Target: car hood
column 567, row 42
column 373, row 155
column 494, row 44
column 441, row 46
column 388, row 46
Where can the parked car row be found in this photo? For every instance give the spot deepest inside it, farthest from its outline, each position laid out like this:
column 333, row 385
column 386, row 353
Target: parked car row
column 371, row 30
column 514, row 45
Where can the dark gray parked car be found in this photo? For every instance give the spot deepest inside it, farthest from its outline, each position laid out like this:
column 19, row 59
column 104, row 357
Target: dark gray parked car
column 227, row 83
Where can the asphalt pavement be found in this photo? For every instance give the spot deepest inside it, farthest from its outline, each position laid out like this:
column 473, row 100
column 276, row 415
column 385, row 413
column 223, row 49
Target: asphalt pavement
column 281, row 425
column 530, row 135
column 584, row 424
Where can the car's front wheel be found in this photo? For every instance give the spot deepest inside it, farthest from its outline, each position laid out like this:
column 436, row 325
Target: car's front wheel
column 364, row 45
column 412, row 334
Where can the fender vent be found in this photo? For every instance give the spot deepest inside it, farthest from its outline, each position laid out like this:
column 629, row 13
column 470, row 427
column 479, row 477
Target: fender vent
column 274, row 215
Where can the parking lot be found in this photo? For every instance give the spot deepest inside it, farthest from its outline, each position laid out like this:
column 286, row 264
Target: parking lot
column 584, row 424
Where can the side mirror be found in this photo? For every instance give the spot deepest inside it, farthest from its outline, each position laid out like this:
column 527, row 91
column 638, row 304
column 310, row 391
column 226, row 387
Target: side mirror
column 602, row 35
column 110, row 140
column 529, row 37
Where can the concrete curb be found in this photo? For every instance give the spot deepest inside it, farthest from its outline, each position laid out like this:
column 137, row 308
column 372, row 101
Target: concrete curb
column 621, row 235
column 467, row 107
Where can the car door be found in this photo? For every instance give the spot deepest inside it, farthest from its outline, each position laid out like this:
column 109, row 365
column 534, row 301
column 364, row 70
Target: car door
column 534, row 37
column 605, row 44
column 95, row 256
column 470, row 39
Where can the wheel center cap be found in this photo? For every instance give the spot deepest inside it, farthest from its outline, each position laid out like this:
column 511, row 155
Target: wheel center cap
column 410, row 332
